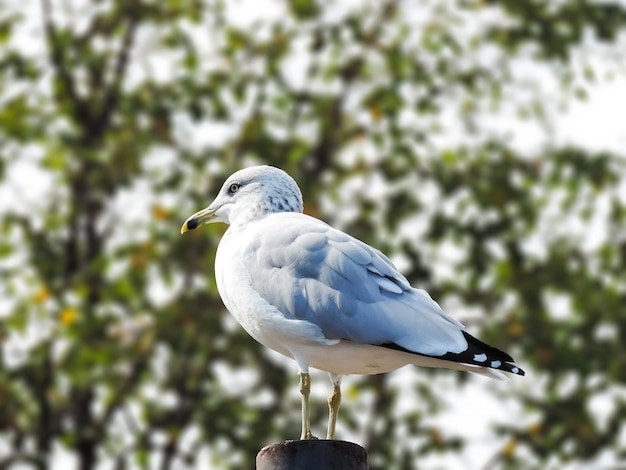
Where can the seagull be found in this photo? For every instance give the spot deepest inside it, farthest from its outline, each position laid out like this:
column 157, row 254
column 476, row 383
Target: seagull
column 323, row 298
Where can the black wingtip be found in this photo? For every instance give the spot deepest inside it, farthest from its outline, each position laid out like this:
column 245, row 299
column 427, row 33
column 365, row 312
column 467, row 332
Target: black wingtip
column 483, row 354
column 477, row 353
column 492, row 352
column 512, row 368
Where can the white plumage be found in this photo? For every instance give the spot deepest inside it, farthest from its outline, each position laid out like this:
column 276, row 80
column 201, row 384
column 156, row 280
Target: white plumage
column 324, row 298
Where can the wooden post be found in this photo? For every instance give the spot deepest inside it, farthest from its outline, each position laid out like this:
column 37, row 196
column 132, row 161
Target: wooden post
column 312, row 455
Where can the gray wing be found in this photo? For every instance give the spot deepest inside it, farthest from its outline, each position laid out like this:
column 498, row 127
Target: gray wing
column 312, row 272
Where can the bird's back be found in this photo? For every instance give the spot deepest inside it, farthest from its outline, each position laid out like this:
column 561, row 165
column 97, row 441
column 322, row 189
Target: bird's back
column 311, row 272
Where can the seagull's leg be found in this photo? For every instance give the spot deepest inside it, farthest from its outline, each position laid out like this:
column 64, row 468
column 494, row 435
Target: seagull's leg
column 305, row 390
column 333, row 405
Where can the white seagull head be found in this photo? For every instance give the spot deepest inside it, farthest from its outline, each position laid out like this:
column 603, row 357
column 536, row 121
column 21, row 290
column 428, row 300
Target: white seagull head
column 248, row 195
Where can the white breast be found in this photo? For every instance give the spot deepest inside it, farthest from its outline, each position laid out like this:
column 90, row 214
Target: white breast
column 264, row 322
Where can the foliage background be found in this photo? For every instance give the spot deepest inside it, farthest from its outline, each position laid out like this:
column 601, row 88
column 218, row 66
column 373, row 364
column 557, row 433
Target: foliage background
column 426, row 128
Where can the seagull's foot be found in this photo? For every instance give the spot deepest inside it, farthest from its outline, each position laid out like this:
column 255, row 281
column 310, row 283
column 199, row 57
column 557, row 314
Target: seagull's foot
column 333, row 406
column 305, row 390
column 308, row 437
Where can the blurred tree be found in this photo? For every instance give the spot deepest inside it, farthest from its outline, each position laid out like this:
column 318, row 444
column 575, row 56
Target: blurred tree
column 115, row 348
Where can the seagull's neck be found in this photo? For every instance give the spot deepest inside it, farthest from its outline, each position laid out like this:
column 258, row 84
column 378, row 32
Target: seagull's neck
column 247, row 217
column 248, row 214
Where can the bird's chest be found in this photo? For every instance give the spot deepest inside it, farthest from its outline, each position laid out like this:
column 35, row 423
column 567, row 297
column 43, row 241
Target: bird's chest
column 234, row 283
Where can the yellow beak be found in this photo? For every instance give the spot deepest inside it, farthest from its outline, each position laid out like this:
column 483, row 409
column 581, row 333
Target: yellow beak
column 205, row 216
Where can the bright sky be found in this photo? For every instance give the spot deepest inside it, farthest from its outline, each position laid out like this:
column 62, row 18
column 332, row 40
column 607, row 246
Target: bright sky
column 600, row 122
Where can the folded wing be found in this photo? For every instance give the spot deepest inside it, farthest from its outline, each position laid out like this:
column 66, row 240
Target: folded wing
column 350, row 290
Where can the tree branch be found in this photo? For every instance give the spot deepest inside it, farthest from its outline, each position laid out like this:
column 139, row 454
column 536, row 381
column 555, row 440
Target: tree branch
column 122, row 392
column 112, row 93
column 79, row 107
column 12, row 461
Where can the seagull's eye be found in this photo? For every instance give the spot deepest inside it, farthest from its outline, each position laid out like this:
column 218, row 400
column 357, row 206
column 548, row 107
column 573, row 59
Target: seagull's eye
column 233, row 188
